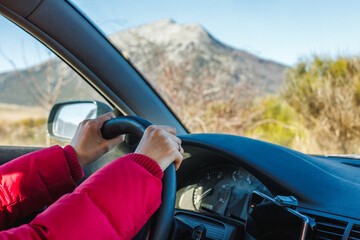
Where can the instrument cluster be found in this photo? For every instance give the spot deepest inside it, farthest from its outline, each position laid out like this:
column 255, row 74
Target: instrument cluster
column 219, row 189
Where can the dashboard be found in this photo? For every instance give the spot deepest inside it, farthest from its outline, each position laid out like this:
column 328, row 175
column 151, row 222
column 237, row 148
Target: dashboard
column 220, row 172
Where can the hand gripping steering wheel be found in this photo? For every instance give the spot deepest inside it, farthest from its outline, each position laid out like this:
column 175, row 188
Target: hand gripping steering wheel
column 162, row 219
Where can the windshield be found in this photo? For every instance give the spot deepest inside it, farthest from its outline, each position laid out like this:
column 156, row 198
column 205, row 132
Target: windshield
column 286, row 72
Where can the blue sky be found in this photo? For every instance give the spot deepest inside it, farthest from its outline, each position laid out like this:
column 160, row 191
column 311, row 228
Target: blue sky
column 283, row 31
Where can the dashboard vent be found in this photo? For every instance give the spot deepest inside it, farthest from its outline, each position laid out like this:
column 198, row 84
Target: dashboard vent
column 352, row 164
column 355, row 232
column 328, row 229
column 214, row 230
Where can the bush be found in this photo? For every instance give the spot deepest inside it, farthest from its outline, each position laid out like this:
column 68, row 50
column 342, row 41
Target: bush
column 278, row 122
column 326, row 95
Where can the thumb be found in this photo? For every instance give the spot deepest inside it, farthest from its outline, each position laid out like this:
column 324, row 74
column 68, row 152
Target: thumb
column 115, row 141
column 105, row 117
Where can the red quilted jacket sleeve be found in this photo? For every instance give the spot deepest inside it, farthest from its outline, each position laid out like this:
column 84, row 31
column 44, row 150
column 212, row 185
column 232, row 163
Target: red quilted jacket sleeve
column 114, row 203
column 35, row 180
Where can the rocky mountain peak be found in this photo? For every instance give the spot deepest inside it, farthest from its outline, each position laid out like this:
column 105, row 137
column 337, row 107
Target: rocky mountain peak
column 162, row 32
column 185, row 43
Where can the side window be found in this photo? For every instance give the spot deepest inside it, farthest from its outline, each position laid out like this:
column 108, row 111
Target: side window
column 32, row 80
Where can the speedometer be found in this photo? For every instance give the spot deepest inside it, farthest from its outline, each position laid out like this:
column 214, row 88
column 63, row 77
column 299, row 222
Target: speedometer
column 222, row 189
column 209, row 193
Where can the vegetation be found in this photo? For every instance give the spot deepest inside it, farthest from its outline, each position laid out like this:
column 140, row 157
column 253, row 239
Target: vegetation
column 24, row 126
column 317, row 110
column 278, row 122
column 325, row 94
column 24, row 132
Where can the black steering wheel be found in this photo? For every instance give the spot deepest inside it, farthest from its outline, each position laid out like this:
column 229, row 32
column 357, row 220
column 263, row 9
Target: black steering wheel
column 161, row 221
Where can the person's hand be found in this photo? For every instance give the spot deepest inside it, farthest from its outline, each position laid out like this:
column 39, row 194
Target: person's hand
column 160, row 144
column 88, row 142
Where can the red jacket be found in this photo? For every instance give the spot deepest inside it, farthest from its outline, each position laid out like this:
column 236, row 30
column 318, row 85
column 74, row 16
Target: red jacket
column 114, row 203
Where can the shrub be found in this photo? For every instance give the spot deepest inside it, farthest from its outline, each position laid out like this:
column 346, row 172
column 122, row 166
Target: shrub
column 278, row 122
column 326, row 94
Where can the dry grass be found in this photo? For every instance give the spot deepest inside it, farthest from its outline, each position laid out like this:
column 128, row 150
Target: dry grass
column 12, row 113
column 23, row 126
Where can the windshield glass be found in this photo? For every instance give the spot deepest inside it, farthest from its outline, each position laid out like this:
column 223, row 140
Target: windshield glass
column 286, row 72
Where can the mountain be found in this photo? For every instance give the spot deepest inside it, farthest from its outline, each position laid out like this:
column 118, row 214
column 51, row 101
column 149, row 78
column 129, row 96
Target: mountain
column 151, row 48
column 180, row 43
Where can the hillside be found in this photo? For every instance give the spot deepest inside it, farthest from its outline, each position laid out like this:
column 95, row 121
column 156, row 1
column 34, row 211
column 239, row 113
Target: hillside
column 150, row 48
column 37, row 86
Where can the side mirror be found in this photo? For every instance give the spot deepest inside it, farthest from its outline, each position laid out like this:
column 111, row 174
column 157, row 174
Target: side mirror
column 65, row 117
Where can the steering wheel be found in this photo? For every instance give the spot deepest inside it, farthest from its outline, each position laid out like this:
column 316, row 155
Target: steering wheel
column 161, row 221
